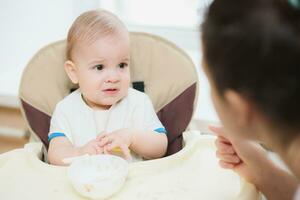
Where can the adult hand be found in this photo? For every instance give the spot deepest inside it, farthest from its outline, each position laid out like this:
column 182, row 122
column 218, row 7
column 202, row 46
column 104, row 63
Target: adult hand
column 250, row 161
column 245, row 157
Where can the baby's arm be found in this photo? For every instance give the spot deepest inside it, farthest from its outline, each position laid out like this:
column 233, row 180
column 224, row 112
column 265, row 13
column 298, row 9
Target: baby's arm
column 60, row 135
column 61, row 148
column 148, row 144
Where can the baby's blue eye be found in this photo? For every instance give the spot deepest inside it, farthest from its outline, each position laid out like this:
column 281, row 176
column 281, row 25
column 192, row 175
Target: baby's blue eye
column 123, row 65
column 98, row 67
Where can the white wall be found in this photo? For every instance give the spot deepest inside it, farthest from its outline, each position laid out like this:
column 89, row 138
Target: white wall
column 26, row 26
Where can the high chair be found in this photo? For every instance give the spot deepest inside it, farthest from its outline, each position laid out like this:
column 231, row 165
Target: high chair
column 158, row 68
column 169, row 77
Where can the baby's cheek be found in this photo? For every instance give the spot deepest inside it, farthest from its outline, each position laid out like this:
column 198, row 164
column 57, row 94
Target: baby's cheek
column 127, row 82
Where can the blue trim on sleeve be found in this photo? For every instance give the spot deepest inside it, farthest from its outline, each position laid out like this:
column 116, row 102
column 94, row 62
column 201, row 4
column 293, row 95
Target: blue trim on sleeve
column 54, row 135
column 161, row 130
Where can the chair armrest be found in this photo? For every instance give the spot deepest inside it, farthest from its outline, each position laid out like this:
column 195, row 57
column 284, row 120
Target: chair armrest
column 202, row 125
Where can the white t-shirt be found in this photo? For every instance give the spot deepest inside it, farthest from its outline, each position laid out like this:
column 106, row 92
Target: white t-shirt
column 80, row 123
column 101, row 119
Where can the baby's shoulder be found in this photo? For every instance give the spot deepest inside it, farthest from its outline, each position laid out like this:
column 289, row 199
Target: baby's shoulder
column 136, row 96
column 69, row 102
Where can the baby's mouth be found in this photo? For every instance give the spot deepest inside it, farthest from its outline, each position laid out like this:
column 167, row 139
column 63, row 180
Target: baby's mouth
column 110, row 90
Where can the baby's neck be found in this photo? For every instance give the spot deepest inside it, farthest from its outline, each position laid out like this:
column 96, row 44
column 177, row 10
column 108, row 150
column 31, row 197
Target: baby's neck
column 101, row 107
column 95, row 106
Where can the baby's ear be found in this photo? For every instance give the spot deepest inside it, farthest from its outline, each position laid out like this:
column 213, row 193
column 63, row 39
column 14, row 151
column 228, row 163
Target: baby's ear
column 71, row 71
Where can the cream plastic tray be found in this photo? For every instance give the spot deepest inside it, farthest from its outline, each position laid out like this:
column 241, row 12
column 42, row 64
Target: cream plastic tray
column 192, row 173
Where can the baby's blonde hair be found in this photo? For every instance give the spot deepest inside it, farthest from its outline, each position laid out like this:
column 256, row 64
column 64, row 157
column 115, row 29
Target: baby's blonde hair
column 91, row 25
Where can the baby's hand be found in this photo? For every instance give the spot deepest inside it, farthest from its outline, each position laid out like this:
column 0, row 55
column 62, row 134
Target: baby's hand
column 92, row 148
column 118, row 139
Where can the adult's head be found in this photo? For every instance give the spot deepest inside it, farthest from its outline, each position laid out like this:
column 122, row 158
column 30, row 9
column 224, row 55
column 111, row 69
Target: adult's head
column 251, row 54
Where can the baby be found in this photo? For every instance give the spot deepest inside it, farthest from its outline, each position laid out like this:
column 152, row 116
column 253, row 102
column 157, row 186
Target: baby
column 104, row 113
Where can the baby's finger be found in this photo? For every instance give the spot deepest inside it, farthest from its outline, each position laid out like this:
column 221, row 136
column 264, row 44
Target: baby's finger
column 98, row 144
column 95, row 148
column 101, row 135
column 99, row 150
column 106, row 140
column 234, row 159
column 126, row 152
column 111, row 146
column 105, row 150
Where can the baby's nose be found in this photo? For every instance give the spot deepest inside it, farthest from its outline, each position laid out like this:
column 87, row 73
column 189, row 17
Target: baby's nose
column 113, row 76
column 114, row 79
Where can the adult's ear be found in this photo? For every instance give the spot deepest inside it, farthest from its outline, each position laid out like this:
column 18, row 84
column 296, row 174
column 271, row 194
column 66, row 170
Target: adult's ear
column 241, row 108
column 71, row 70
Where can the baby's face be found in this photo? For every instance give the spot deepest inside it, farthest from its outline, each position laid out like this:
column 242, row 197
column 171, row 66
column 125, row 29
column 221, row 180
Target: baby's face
column 103, row 70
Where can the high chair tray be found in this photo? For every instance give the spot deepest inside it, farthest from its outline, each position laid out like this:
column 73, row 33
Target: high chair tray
column 192, row 173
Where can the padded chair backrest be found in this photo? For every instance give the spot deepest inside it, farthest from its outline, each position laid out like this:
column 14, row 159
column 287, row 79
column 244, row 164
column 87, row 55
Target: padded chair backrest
column 164, row 71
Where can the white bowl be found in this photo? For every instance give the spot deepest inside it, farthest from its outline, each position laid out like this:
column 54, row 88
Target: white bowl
column 98, row 176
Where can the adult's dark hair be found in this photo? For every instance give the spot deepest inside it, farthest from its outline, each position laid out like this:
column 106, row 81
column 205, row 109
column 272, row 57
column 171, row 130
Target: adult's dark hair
column 253, row 47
